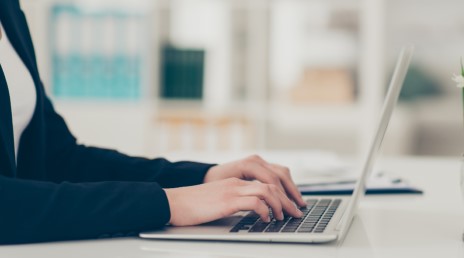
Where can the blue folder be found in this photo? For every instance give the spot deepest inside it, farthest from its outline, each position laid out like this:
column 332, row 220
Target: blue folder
column 346, row 188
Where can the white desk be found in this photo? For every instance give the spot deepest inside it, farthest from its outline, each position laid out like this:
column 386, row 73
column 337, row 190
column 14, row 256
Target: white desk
column 429, row 225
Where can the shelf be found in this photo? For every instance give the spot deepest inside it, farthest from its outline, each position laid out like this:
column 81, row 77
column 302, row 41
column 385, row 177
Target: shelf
column 247, row 44
column 291, row 117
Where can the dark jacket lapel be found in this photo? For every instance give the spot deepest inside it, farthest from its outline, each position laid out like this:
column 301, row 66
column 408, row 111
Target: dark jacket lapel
column 22, row 43
column 7, row 157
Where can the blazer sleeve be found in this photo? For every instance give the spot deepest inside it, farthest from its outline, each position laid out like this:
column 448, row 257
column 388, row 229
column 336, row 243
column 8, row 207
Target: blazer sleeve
column 68, row 161
column 37, row 211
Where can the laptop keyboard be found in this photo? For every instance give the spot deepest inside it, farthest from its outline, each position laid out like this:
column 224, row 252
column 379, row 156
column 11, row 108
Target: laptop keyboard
column 316, row 216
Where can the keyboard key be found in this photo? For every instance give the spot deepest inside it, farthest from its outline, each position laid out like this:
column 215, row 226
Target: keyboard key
column 260, row 226
column 239, row 227
column 272, row 230
column 305, row 230
column 312, row 224
column 275, row 226
column 246, row 222
column 249, row 219
column 288, row 230
column 311, row 201
column 294, row 220
column 293, row 224
column 235, row 229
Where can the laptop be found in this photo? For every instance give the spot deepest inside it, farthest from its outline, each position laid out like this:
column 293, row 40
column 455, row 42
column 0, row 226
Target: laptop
column 326, row 218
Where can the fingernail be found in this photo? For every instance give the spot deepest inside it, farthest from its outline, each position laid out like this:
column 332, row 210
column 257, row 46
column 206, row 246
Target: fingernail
column 268, row 219
column 300, row 213
column 282, row 215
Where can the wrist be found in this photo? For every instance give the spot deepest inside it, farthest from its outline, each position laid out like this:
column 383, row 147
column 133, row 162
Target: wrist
column 209, row 176
column 170, row 194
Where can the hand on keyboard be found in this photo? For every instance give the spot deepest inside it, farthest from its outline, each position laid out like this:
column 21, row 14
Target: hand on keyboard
column 256, row 168
column 316, row 216
column 211, row 201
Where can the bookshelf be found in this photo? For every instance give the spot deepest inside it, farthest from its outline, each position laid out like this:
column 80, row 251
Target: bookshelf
column 321, row 41
column 241, row 75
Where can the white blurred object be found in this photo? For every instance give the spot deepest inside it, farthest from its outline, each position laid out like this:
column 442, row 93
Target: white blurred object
column 311, row 163
column 320, row 163
column 301, row 38
column 204, row 24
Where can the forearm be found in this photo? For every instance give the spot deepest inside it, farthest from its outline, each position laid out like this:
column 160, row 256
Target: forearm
column 78, row 163
column 68, row 161
column 39, row 211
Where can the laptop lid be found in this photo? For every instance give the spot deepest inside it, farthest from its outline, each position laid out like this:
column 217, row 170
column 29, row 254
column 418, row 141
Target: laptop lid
column 389, row 104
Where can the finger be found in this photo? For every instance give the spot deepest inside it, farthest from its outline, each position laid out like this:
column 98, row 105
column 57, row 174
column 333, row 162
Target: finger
column 275, row 198
column 288, row 206
column 268, row 193
column 290, row 188
column 280, row 174
column 253, row 203
column 256, row 171
column 274, row 174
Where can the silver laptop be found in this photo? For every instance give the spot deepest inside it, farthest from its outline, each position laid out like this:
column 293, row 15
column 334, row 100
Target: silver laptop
column 326, row 218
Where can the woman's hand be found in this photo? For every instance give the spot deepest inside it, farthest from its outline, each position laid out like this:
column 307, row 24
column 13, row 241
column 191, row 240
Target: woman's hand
column 214, row 200
column 256, row 168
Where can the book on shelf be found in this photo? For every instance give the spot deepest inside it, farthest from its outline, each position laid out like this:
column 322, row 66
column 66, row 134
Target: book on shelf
column 96, row 54
column 324, row 86
column 182, row 73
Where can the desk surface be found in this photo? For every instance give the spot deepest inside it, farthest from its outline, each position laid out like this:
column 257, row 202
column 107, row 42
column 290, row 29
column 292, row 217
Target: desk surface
column 428, row 225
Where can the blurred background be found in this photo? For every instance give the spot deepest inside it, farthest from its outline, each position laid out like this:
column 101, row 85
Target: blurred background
column 148, row 77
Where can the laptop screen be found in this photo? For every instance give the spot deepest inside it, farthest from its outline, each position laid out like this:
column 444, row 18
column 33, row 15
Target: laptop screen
column 369, row 158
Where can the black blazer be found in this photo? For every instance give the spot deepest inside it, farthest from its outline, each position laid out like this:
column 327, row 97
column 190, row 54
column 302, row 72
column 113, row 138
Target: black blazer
column 60, row 190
